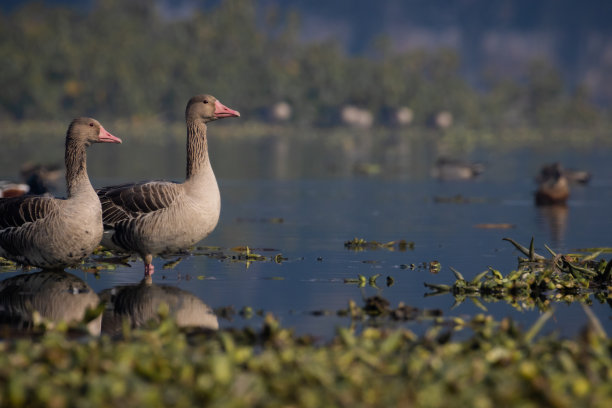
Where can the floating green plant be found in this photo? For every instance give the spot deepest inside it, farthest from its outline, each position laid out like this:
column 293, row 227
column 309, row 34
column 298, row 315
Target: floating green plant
column 537, row 282
column 360, row 244
column 495, row 363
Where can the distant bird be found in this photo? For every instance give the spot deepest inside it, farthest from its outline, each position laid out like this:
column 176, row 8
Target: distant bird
column 10, row 189
column 158, row 217
column 453, row 169
column 41, row 178
column 56, row 295
column 50, row 232
column 139, row 304
column 577, row 176
column 553, row 186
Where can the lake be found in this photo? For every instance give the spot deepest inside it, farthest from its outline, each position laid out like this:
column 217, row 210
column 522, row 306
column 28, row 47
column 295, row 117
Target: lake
column 305, row 198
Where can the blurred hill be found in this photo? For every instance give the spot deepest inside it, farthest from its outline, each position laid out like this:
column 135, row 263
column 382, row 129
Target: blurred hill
column 503, row 63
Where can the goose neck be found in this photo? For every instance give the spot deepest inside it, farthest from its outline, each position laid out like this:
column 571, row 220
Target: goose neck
column 197, row 148
column 77, row 180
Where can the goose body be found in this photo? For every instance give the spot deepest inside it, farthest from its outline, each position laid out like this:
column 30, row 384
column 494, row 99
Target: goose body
column 553, row 186
column 54, row 233
column 158, row 217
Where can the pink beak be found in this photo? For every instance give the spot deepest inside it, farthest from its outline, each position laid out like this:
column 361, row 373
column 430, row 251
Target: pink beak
column 106, row 137
column 222, row 111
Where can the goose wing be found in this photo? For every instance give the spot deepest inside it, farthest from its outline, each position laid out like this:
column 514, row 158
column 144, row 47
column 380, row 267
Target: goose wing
column 17, row 211
column 129, row 201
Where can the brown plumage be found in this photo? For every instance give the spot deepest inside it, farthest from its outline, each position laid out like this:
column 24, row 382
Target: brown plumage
column 49, row 232
column 158, row 217
column 553, row 186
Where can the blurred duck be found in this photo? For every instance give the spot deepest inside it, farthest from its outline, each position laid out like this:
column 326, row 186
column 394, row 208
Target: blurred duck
column 41, row 178
column 9, row 189
column 453, row 169
column 57, row 296
column 140, row 304
column 553, row 186
column 577, row 176
column 50, row 232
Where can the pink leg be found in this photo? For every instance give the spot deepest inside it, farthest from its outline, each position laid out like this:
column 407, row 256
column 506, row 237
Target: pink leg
column 149, row 268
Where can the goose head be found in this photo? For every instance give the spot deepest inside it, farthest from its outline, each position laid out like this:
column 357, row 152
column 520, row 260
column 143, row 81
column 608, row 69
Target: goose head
column 88, row 131
column 208, row 108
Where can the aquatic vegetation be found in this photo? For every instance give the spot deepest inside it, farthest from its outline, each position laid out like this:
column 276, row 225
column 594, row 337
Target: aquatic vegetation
column 537, row 282
column 360, row 244
column 496, row 365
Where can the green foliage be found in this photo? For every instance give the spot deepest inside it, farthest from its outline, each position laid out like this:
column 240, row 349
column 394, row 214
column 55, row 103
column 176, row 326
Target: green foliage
column 538, row 281
column 497, row 365
column 126, row 59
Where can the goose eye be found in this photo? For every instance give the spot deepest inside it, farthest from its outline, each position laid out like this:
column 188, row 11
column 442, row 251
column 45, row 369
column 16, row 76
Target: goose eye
column 91, row 124
column 205, row 101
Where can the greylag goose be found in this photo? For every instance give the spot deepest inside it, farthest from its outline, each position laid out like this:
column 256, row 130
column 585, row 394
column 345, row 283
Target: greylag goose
column 49, row 232
column 56, row 295
column 140, row 304
column 157, row 217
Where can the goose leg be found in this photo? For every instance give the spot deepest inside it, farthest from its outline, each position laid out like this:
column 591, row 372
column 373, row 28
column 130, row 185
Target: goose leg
column 149, row 268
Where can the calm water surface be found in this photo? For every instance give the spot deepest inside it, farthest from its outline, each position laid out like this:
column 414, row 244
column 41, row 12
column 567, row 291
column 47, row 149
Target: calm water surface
column 320, row 210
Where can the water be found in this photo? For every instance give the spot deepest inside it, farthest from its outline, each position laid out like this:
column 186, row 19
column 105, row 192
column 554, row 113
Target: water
column 306, row 213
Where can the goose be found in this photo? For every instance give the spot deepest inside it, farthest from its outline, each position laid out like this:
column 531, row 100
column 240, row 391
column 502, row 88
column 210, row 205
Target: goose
column 159, row 217
column 56, row 295
column 52, row 233
column 140, row 304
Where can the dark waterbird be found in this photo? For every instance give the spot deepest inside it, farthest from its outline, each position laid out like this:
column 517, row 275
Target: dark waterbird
column 454, row 169
column 52, row 232
column 158, row 217
column 553, row 186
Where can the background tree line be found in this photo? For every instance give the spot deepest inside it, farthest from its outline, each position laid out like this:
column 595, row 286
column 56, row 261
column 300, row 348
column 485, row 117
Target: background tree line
column 127, row 59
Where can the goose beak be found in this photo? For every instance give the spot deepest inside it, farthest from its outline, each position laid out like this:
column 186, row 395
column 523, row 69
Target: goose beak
column 222, row 111
column 106, row 137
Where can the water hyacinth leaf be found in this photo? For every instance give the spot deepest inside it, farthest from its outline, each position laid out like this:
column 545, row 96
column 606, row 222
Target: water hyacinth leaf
column 478, row 303
column 438, row 287
column 497, row 274
column 538, row 325
column 550, row 250
column 591, row 257
column 172, row 264
column 594, row 322
column 478, row 277
column 532, row 255
column 458, row 275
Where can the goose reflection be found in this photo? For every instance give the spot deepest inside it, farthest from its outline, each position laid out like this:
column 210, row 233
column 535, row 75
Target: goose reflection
column 56, row 295
column 140, row 304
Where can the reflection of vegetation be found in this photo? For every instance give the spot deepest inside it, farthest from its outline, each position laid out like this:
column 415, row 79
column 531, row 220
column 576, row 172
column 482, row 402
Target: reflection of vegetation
column 498, row 365
column 537, row 282
column 126, row 59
